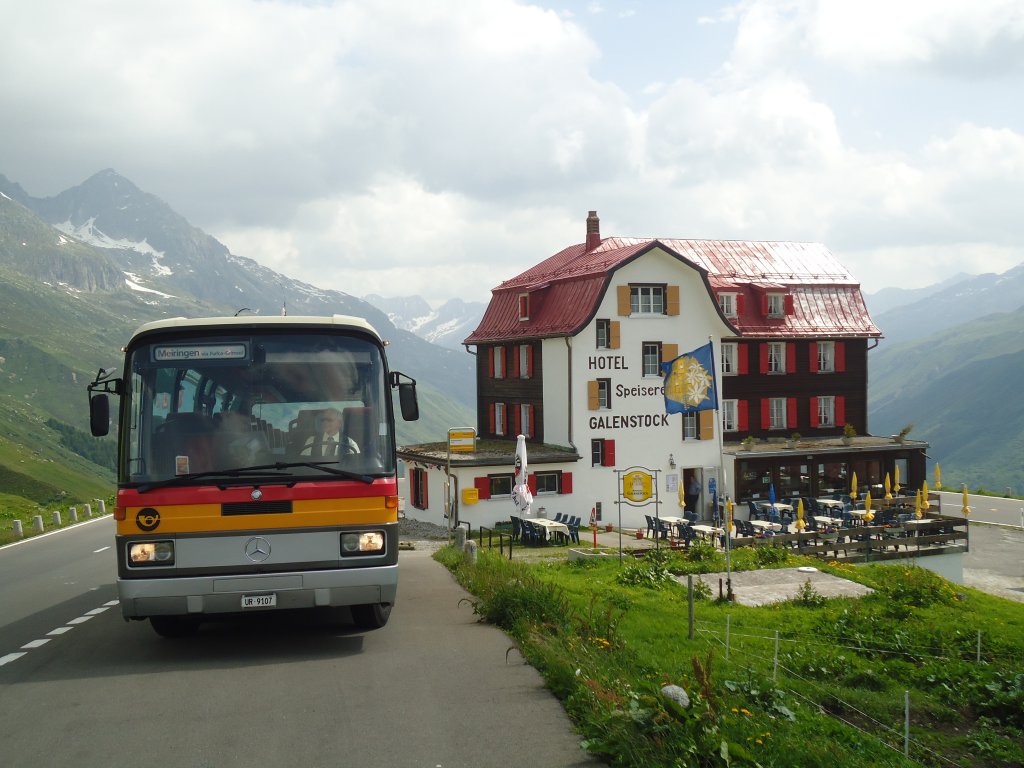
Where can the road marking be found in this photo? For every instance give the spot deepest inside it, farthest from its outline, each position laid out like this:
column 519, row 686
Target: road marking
column 57, row 631
column 101, row 549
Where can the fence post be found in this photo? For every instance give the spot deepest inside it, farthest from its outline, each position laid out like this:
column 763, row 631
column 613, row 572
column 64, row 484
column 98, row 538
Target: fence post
column 906, row 723
column 56, row 519
column 88, row 509
column 775, row 666
column 72, row 515
column 17, row 529
column 689, row 600
column 37, row 523
column 103, row 506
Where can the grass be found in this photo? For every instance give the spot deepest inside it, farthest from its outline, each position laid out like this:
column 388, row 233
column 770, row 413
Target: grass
column 608, row 638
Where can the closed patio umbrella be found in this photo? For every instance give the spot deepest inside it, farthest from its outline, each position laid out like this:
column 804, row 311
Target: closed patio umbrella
column 800, row 524
column 853, row 486
column 924, row 496
column 868, row 514
column 888, row 487
column 771, row 499
column 966, row 510
column 917, row 505
column 521, row 496
column 896, row 480
column 938, row 476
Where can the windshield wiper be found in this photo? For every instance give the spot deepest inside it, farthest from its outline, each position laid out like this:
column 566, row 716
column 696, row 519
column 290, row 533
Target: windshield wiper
column 262, row 470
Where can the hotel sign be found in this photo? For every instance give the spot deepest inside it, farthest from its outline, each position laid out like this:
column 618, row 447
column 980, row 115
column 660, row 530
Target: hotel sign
column 637, row 486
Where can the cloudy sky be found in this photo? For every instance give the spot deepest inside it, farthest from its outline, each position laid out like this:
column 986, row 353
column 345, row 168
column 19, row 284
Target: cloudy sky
column 438, row 148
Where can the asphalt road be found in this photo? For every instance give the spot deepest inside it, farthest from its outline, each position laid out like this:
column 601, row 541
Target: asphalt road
column 81, row 687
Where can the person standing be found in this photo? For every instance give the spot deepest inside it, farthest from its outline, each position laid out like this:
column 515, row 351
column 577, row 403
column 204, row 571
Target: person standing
column 692, row 493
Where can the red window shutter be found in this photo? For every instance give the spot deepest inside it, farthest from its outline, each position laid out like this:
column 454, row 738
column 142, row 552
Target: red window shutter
column 492, row 423
column 483, row 487
column 424, row 485
column 813, row 366
column 791, row 415
column 517, row 420
column 490, row 363
column 766, row 416
column 790, row 357
column 529, row 361
column 840, row 356
column 566, row 482
column 742, row 419
column 741, row 303
column 741, row 358
column 764, row 357
column 532, row 425
column 531, row 483
column 814, row 412
column 515, row 362
column 609, row 453
column 840, row 410
column 787, row 304
column 764, row 305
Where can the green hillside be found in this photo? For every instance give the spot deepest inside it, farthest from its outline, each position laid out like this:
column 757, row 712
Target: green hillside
column 960, row 388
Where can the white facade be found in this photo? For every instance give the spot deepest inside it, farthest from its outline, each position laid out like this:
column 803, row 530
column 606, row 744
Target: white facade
column 632, row 417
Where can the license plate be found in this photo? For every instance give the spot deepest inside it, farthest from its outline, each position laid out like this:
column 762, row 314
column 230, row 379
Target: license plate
column 259, row 601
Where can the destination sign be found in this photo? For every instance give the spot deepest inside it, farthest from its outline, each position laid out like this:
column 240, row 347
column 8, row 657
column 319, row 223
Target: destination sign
column 167, row 353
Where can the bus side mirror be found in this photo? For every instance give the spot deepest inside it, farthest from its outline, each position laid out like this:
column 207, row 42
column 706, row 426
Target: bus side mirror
column 408, row 401
column 99, row 415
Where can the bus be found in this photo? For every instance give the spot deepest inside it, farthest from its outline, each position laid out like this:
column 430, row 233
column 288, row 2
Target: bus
column 229, row 500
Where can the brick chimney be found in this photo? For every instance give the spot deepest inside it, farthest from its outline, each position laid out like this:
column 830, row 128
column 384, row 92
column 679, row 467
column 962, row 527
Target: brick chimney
column 593, row 231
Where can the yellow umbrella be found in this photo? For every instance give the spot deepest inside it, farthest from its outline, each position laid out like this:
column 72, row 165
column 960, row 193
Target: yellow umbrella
column 800, row 524
column 917, row 505
column 938, row 476
column 853, row 487
column 924, row 496
column 966, row 510
column 728, row 517
column 888, row 487
column 868, row 514
column 896, row 484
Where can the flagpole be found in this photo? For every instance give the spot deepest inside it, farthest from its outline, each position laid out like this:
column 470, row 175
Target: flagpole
column 724, row 479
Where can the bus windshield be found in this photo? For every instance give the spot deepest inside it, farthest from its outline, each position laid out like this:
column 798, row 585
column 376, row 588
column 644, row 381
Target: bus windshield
column 296, row 400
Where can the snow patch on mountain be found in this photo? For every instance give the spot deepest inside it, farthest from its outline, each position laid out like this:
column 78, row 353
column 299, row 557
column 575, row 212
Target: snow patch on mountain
column 132, row 281
column 90, row 234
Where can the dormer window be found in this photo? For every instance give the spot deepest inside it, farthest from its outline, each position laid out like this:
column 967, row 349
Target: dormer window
column 727, row 302
column 524, row 306
column 777, row 304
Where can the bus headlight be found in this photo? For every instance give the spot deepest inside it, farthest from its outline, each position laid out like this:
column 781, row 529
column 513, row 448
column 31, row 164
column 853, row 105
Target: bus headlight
column 362, row 543
column 142, row 553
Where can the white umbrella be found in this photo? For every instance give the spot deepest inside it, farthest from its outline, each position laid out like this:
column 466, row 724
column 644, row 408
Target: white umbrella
column 521, row 495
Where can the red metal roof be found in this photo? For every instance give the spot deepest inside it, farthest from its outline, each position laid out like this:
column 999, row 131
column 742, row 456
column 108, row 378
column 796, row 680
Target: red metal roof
column 566, row 288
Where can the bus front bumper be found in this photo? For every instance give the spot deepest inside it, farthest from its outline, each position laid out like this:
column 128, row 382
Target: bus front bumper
column 170, row 596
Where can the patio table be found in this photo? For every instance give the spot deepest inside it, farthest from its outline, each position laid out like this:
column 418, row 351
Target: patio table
column 766, row 525
column 550, row 527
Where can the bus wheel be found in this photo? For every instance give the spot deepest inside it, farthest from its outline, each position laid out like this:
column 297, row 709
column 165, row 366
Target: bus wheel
column 372, row 616
column 174, row 626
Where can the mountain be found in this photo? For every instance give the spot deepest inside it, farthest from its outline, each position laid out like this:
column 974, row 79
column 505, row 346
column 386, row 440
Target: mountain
column 80, row 271
column 959, row 387
column 447, row 326
column 905, row 315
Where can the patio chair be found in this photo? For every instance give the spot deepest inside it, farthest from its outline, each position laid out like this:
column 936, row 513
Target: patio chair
column 517, row 528
column 664, row 531
column 691, row 516
column 755, row 511
column 574, row 528
column 650, row 526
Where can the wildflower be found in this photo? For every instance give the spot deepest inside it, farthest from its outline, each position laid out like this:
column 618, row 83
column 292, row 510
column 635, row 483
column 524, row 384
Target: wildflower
column 745, row 711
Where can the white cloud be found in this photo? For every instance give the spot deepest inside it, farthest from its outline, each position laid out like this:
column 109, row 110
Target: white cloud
column 440, row 148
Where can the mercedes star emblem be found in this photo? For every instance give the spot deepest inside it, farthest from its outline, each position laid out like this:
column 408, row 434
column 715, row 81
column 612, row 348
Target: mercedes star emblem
column 256, row 494
column 257, row 549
